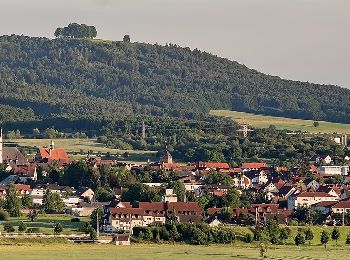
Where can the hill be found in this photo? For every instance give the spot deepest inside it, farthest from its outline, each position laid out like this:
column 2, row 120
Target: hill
column 261, row 121
column 44, row 78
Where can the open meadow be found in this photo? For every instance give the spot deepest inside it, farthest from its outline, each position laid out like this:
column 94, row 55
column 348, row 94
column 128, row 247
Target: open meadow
column 80, row 147
column 70, row 251
column 262, row 121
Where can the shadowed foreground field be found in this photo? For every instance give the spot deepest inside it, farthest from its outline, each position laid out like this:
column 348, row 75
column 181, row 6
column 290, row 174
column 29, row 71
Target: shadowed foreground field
column 69, row 251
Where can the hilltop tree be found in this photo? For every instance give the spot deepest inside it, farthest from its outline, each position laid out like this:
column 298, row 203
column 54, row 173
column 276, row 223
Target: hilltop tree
column 126, row 38
column 13, row 203
column 75, row 30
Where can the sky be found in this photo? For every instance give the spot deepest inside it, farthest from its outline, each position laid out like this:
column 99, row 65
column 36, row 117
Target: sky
column 307, row 40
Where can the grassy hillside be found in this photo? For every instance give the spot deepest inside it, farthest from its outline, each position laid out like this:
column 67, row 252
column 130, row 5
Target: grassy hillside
column 93, row 79
column 261, row 121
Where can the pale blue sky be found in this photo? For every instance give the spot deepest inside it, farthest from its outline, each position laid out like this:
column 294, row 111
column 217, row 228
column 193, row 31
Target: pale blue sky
column 297, row 39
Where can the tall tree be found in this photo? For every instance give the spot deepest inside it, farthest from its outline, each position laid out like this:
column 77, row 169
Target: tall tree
column 52, row 202
column 13, row 203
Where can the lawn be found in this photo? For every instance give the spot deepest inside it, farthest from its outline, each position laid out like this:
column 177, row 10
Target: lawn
column 45, row 223
column 261, row 121
column 152, row 251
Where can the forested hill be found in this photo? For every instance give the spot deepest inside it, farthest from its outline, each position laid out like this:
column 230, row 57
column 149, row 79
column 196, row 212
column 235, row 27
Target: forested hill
column 40, row 77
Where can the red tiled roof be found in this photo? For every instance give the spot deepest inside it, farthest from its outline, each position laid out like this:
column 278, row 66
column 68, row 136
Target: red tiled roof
column 326, row 204
column 342, row 204
column 314, row 194
column 57, row 154
column 214, row 165
column 253, row 165
column 126, row 211
column 23, row 187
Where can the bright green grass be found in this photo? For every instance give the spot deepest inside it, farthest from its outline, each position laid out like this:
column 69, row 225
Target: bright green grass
column 69, row 251
column 261, row 121
column 46, row 222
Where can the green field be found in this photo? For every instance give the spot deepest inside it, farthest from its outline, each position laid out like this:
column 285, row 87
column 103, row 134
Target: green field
column 45, row 223
column 79, row 147
column 70, row 251
column 261, row 121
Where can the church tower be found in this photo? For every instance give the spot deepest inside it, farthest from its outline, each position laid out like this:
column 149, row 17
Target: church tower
column 1, row 159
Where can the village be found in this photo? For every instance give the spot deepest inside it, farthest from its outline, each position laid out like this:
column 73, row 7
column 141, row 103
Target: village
column 213, row 193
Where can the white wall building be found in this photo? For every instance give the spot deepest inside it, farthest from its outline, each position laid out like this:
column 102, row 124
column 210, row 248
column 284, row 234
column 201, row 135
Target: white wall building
column 334, row 170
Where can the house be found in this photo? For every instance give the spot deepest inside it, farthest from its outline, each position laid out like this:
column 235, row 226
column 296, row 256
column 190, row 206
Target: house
column 27, row 170
column 286, row 191
column 257, row 176
column 308, row 199
column 319, row 159
column 253, row 166
column 212, row 166
column 152, row 212
column 12, row 156
column 85, row 193
column 341, row 206
column 47, row 155
column 325, row 206
column 122, row 239
column 334, row 170
column 169, row 196
column 84, row 209
column 15, row 179
column 214, row 222
column 241, row 181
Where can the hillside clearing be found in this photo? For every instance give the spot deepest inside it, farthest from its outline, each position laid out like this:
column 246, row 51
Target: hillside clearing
column 262, row 121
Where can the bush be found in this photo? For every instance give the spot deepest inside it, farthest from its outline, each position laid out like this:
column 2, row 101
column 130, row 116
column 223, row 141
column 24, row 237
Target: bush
column 75, row 220
column 3, row 215
column 22, row 227
column 57, row 228
column 248, row 238
column 33, row 230
column 9, row 228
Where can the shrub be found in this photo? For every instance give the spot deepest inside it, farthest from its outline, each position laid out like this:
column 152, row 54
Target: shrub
column 33, row 230
column 9, row 228
column 3, row 215
column 22, row 227
column 299, row 239
column 75, row 220
column 248, row 238
column 57, row 228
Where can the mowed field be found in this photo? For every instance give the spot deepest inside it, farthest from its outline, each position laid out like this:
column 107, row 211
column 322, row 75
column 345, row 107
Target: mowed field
column 262, row 121
column 82, row 146
column 89, row 251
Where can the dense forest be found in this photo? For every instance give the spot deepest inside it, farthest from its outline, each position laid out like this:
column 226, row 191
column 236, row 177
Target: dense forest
column 42, row 79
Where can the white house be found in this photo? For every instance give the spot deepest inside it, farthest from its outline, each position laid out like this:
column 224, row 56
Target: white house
column 308, row 199
column 334, row 170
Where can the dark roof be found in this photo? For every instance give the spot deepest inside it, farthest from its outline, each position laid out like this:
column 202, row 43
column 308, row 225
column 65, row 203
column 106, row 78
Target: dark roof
column 12, row 154
column 14, row 179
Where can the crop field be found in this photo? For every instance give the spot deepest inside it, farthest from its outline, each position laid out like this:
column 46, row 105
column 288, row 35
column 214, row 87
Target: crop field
column 88, row 251
column 262, row 121
column 80, row 147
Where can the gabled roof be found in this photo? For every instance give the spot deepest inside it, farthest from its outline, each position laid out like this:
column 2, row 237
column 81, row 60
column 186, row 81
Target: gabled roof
column 213, row 165
column 253, row 165
column 342, row 204
column 325, row 204
column 12, row 154
column 57, row 154
column 314, row 194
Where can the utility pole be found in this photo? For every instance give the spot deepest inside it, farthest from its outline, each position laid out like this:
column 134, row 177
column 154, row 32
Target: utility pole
column 143, row 130
column 97, row 224
column 244, row 129
column 343, row 218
